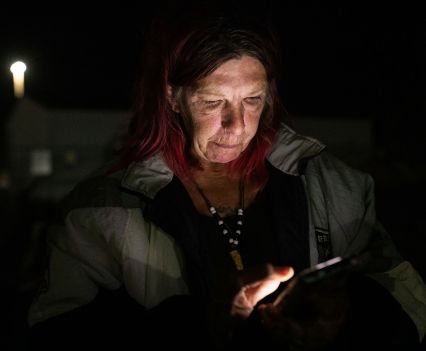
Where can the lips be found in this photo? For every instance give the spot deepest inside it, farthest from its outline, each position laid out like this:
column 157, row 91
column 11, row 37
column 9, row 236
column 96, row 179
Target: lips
column 226, row 146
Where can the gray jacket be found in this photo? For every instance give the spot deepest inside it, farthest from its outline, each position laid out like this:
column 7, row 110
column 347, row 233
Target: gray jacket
column 105, row 240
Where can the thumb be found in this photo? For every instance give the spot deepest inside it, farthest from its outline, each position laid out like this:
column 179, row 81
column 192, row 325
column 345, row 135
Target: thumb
column 281, row 273
column 276, row 275
column 265, row 272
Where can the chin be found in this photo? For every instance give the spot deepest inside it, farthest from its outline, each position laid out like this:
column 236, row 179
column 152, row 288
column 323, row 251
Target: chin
column 222, row 155
column 223, row 158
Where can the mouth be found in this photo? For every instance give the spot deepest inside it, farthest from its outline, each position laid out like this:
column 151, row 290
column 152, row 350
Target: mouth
column 226, row 146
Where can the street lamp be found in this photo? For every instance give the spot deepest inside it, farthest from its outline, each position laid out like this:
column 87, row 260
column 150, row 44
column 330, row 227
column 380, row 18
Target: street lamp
column 18, row 68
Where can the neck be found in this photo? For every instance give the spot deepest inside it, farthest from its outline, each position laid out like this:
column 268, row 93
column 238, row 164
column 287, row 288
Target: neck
column 213, row 167
column 209, row 171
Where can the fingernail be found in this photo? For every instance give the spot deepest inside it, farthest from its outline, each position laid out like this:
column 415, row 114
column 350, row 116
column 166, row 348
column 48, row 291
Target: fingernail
column 286, row 270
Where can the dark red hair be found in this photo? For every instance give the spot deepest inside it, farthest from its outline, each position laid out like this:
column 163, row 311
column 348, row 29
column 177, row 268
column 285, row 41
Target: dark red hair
column 181, row 53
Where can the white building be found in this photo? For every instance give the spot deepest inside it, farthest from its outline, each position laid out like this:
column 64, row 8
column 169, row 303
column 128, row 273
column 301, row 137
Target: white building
column 58, row 147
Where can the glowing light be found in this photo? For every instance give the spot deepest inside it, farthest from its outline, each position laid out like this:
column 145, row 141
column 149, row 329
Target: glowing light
column 18, row 68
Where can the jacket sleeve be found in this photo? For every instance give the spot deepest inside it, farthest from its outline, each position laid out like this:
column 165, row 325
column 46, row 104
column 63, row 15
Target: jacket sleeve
column 110, row 283
column 392, row 271
column 83, row 257
column 344, row 202
column 385, row 265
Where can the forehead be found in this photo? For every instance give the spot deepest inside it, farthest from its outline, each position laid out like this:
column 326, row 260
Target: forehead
column 246, row 72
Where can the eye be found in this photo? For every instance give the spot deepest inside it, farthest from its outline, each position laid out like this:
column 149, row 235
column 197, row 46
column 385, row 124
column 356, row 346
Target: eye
column 253, row 100
column 212, row 103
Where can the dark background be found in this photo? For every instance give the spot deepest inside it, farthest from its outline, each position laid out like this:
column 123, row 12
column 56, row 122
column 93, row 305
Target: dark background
column 342, row 61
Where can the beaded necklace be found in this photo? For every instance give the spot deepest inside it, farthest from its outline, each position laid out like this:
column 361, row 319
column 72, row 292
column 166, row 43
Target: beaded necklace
column 233, row 236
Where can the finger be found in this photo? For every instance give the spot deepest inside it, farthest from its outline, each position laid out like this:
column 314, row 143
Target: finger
column 258, row 290
column 281, row 274
column 263, row 272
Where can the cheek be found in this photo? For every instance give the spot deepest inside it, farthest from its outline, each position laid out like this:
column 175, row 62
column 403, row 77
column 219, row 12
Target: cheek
column 206, row 123
column 252, row 124
column 203, row 129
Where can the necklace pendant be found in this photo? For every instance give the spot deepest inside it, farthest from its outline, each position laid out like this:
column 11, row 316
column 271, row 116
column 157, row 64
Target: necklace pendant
column 236, row 257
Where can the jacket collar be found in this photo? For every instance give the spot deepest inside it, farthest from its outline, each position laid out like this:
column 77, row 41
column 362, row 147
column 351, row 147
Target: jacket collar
column 147, row 177
column 288, row 150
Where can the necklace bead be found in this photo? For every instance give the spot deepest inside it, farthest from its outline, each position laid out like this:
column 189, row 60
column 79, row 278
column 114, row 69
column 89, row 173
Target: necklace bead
column 227, row 231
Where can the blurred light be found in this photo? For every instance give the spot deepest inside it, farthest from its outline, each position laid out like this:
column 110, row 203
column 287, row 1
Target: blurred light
column 18, row 68
column 40, row 162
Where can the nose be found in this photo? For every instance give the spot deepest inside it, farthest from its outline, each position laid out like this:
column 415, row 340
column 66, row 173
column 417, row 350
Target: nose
column 233, row 119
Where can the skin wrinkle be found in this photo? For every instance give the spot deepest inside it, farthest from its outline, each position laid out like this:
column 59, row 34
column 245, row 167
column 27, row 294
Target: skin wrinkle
column 226, row 107
column 221, row 113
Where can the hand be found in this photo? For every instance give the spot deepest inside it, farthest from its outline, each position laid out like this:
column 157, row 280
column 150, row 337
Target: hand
column 234, row 302
column 255, row 285
column 307, row 317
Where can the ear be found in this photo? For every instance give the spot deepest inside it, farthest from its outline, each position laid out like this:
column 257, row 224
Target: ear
column 171, row 99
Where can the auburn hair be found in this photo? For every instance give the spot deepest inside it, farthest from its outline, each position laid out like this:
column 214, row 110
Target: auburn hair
column 178, row 54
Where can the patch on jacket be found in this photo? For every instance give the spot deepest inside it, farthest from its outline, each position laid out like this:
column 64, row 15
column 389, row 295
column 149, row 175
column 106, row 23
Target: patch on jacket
column 323, row 244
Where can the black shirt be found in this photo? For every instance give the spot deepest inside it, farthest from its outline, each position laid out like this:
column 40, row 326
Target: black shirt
column 275, row 229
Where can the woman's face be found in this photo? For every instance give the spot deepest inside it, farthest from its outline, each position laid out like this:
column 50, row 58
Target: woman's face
column 225, row 109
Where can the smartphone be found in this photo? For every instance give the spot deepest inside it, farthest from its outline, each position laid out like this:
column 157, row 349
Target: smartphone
column 333, row 271
column 329, row 268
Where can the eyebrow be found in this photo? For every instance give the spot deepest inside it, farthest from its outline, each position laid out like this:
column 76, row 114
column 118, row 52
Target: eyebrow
column 212, row 91
column 207, row 91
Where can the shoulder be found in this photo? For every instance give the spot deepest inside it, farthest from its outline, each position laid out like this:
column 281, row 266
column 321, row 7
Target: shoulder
column 100, row 191
column 98, row 210
column 337, row 173
column 296, row 154
column 130, row 187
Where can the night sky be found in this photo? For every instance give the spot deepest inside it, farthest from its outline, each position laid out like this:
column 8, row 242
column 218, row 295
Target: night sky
column 340, row 60
column 74, row 61
column 346, row 61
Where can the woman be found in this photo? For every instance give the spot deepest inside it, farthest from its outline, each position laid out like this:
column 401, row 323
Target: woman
column 216, row 201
